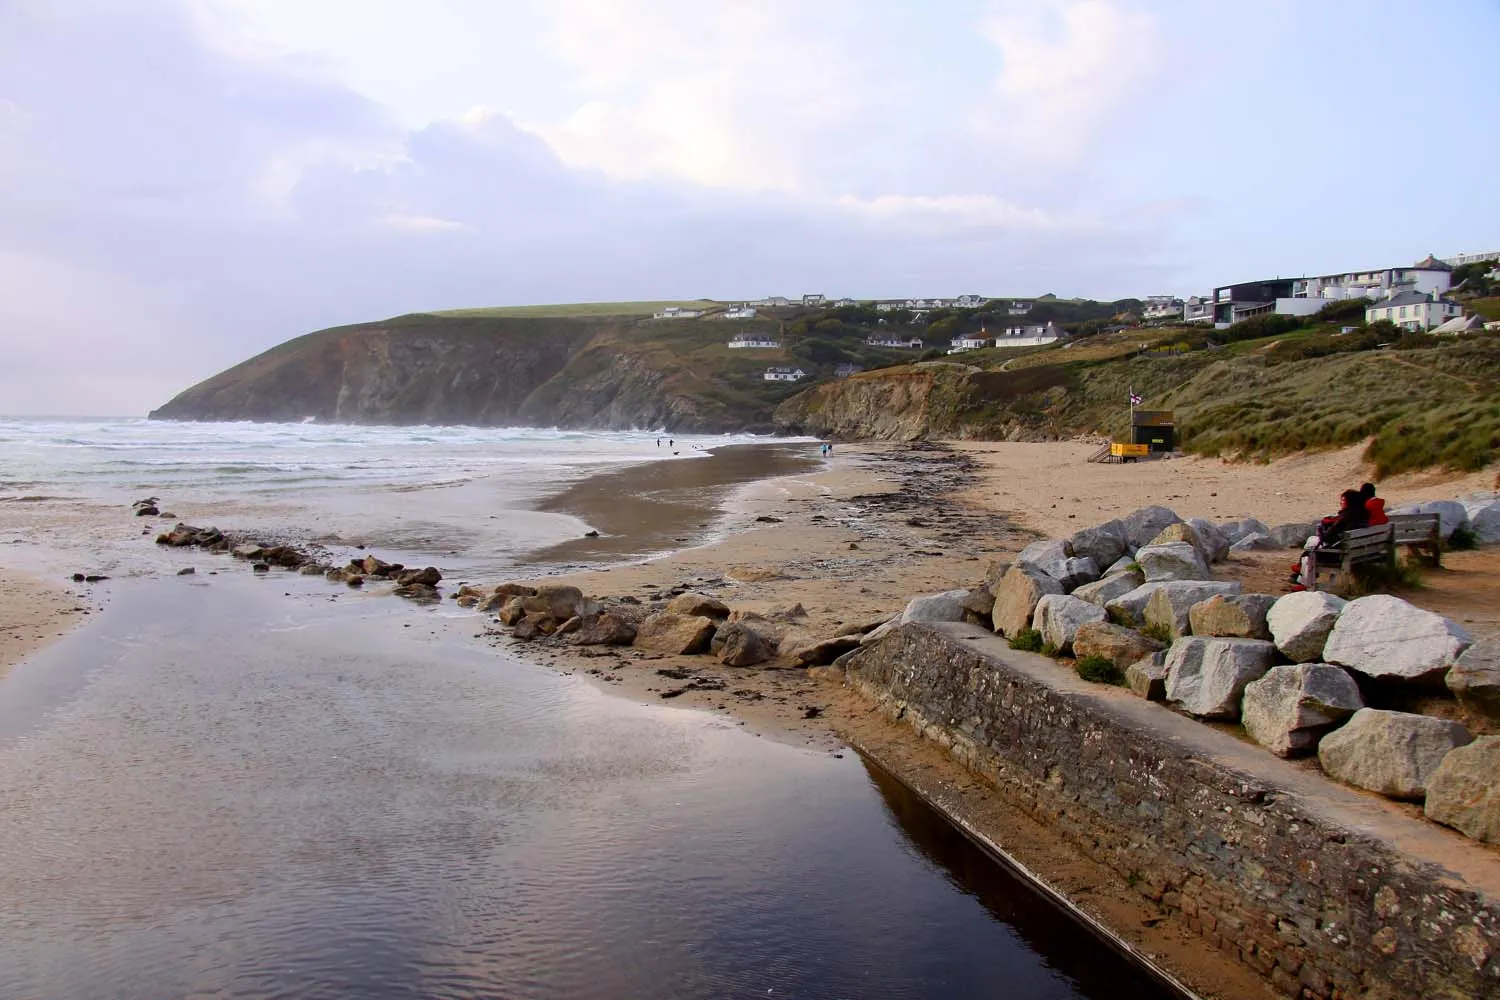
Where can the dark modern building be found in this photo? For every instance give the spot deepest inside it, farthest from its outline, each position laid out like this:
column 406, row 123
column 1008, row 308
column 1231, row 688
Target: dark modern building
column 1233, row 303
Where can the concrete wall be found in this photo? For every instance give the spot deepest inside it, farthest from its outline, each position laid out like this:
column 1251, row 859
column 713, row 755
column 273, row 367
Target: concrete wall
column 1325, row 891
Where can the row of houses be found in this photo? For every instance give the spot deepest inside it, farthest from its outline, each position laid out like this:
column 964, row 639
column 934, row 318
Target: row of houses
column 1410, row 296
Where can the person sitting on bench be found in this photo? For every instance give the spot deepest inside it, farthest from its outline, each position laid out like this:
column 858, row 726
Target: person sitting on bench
column 1352, row 514
column 1374, row 505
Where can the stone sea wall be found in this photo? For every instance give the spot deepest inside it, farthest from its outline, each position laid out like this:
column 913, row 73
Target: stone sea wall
column 1326, row 891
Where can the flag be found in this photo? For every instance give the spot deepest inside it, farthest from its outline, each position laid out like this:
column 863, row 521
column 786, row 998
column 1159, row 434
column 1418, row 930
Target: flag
column 1135, row 399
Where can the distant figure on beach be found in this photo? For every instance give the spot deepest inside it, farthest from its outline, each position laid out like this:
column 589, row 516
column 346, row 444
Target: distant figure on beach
column 671, row 444
column 658, row 442
column 1351, row 516
column 1374, row 505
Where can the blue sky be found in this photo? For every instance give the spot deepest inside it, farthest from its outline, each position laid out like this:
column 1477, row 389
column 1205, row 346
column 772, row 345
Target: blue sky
column 186, row 182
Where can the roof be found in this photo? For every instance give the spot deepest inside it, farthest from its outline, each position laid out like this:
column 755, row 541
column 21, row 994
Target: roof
column 1461, row 324
column 1406, row 298
column 1431, row 264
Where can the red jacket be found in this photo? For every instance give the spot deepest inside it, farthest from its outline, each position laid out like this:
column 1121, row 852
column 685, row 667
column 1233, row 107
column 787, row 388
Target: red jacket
column 1375, row 507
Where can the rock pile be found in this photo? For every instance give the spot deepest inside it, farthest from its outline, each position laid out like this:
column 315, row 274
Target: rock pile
column 1295, row 670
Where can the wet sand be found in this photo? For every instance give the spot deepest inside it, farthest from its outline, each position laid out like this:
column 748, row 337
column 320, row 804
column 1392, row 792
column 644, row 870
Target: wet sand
column 34, row 613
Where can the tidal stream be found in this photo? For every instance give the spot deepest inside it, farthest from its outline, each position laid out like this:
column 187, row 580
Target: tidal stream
column 237, row 787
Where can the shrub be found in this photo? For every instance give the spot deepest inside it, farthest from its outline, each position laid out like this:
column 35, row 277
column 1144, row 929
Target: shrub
column 1050, row 650
column 1100, row 670
column 1462, row 539
column 1161, row 633
column 1028, row 640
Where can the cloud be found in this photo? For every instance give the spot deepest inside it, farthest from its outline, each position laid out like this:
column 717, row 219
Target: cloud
column 1067, row 67
column 726, row 95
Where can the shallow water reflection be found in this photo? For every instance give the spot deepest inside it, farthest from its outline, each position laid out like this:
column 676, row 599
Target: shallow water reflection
column 221, row 791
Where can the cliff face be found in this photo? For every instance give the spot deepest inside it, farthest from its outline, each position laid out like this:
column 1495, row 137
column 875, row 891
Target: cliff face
column 480, row 371
column 880, row 406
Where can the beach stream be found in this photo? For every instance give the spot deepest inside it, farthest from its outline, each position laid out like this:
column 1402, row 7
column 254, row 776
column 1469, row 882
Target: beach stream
column 253, row 787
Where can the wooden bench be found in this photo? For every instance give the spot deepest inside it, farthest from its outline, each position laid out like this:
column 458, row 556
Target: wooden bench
column 1368, row 546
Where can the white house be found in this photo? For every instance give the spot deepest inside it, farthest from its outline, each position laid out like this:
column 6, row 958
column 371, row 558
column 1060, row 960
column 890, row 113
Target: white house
column 813, row 300
column 1461, row 324
column 740, row 312
column 968, row 343
column 785, row 375
column 1161, row 307
column 885, row 307
column 677, row 312
column 969, row 301
column 898, row 343
column 1029, row 335
column 843, row 303
column 1018, row 308
column 1413, row 311
column 757, row 340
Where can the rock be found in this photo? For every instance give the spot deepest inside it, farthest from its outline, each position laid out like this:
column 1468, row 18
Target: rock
column 1059, row 616
column 1124, row 564
column 465, row 600
column 1170, row 605
column 1077, row 572
column 1300, row 623
column 570, row 626
column 820, row 652
column 1207, row 677
column 246, row 551
column 1256, row 541
column 945, row 607
column 1293, row 536
column 149, row 510
column 1020, row 590
column 1172, row 561
column 1384, row 636
column 261, row 567
column 1484, row 519
column 1452, row 515
column 371, row 566
column 785, row 613
column 1049, row 556
column 187, row 571
column 1147, row 677
column 677, row 635
column 427, row 577
column 533, row 625
column 1107, row 589
column 284, row 555
column 1120, row 645
column 1130, row 607
column 1289, row 709
column 979, row 606
column 558, row 600
column 1179, row 532
column 1233, row 531
column 353, row 579
column 1213, row 544
column 1235, row 616
column 603, row 630
column 1146, row 523
column 1464, row 791
column 493, row 602
column 312, row 569
column 512, row 611
column 994, row 572
column 700, row 605
column 418, row 592
column 514, row 590
column 740, row 645
column 1105, row 543
column 1475, row 680
column 1393, row 753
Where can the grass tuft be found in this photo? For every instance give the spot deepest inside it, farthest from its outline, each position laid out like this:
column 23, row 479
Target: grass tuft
column 1028, row 640
column 1100, row 670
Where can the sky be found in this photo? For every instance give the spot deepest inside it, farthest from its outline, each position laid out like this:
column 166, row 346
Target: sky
column 185, row 183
